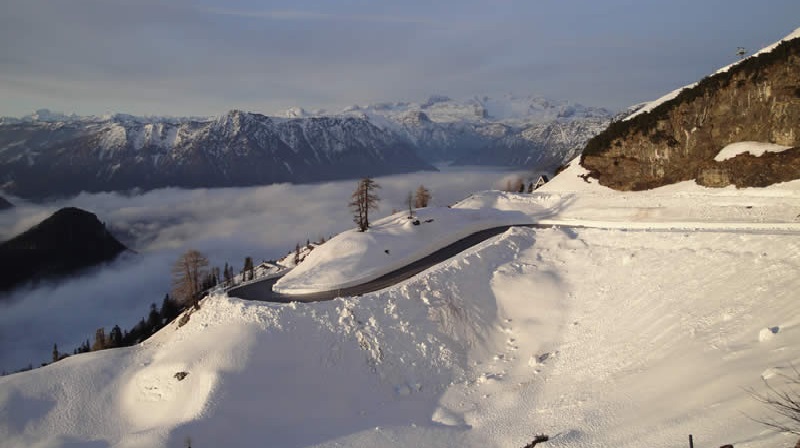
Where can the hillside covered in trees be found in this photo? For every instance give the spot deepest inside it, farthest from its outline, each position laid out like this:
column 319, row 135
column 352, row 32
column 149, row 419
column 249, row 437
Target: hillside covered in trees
column 67, row 242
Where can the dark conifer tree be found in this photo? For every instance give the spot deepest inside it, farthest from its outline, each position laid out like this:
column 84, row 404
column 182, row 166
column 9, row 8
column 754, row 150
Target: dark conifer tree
column 153, row 319
column 169, row 310
column 226, row 272
column 115, row 337
column 248, row 268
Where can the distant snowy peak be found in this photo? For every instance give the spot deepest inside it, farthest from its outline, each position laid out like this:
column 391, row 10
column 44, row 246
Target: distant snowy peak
column 536, row 109
column 511, row 109
column 295, row 112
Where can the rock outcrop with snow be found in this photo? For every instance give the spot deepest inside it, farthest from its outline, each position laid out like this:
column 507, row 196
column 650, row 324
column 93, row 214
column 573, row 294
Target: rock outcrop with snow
column 677, row 137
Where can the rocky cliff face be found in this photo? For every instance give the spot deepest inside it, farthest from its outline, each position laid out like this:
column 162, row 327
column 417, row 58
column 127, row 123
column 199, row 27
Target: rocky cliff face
column 755, row 100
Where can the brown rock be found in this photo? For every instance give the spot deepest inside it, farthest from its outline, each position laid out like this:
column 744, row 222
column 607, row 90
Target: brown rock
column 756, row 100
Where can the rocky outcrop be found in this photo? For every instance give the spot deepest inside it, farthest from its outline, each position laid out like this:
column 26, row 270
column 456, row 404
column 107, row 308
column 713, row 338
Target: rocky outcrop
column 755, row 100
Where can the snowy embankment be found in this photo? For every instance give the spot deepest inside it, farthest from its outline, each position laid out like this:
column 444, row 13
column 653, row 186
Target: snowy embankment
column 683, row 206
column 354, row 257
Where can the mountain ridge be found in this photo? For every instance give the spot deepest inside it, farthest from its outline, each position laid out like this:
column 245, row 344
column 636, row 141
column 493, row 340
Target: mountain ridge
column 235, row 149
column 123, row 152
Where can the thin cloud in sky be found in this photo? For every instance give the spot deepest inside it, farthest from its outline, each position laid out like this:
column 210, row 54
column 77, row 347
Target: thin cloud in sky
column 312, row 15
column 203, row 57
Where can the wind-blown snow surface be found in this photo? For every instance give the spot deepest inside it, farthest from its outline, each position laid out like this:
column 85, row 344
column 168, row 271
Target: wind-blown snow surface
column 595, row 336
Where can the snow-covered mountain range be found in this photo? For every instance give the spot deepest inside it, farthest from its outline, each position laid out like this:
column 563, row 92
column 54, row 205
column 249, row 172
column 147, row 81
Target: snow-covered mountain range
column 122, row 152
column 525, row 131
column 235, row 149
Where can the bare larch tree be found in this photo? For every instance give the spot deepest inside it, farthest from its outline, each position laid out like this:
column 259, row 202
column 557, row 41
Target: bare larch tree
column 187, row 275
column 364, row 199
column 422, row 197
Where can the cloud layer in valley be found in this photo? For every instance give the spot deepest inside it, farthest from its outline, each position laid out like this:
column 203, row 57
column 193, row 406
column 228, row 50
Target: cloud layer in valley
column 226, row 224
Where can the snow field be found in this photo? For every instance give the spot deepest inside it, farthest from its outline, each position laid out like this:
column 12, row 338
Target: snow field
column 596, row 337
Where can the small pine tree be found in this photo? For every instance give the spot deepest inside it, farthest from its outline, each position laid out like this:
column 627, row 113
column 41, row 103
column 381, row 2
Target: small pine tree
column 297, row 254
column 55, row 353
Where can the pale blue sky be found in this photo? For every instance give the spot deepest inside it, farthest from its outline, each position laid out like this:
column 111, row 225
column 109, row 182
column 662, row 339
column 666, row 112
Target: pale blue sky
column 203, row 57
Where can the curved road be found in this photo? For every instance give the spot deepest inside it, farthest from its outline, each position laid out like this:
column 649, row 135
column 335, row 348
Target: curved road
column 262, row 291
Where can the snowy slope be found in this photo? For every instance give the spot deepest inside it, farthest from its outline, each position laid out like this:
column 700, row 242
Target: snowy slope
column 635, row 333
column 354, row 257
